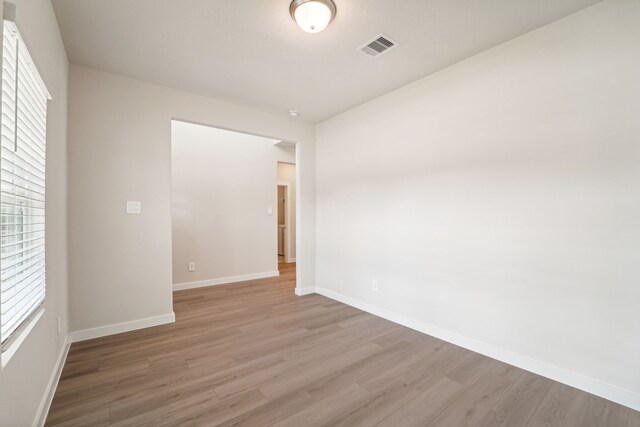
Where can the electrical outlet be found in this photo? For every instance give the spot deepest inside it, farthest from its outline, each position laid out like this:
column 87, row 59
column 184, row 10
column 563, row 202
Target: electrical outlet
column 374, row 285
column 192, row 266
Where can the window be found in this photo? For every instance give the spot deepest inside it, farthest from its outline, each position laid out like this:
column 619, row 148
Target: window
column 22, row 175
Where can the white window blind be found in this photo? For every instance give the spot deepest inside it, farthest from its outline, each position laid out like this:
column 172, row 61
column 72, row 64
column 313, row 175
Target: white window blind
column 22, row 174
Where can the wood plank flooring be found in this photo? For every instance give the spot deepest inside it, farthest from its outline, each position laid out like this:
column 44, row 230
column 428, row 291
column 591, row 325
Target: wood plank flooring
column 254, row 354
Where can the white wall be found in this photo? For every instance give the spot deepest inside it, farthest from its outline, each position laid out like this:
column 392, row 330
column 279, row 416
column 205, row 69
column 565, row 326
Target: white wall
column 287, row 175
column 222, row 185
column 24, row 382
column 119, row 150
column 497, row 201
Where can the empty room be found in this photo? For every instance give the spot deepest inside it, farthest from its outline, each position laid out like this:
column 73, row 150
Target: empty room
column 320, row 213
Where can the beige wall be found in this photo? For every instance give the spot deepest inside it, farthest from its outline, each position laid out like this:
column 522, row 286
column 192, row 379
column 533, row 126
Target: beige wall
column 25, row 380
column 119, row 150
column 496, row 202
column 222, row 185
column 287, row 175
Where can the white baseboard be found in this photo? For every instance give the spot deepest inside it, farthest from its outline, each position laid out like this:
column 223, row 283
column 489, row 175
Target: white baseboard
column 290, row 260
column 118, row 328
column 574, row 379
column 45, row 404
column 224, row 280
column 304, row 291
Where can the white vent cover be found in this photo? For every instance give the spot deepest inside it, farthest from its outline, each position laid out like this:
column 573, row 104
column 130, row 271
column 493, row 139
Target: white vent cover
column 379, row 45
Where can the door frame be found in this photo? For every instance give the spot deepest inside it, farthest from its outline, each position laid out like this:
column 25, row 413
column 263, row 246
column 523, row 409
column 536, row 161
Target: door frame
column 287, row 225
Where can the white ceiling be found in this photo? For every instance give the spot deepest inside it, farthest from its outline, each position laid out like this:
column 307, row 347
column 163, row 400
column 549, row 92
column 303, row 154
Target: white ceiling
column 251, row 52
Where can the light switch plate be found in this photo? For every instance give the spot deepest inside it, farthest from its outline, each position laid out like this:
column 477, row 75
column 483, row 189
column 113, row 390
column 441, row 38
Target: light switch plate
column 134, row 207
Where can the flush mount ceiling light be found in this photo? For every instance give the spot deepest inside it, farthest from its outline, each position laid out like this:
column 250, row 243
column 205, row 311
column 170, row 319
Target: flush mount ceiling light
column 312, row 16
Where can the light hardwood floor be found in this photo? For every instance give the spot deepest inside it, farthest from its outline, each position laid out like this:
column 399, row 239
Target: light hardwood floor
column 252, row 353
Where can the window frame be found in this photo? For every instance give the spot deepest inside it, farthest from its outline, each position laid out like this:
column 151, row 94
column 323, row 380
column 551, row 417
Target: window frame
column 19, row 335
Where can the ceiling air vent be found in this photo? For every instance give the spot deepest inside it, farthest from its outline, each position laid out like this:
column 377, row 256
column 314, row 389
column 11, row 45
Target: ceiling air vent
column 379, row 45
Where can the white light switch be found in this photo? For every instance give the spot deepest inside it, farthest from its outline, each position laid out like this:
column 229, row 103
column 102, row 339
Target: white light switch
column 269, row 210
column 134, row 207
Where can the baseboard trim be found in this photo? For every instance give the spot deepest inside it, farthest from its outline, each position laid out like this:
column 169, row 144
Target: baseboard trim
column 118, row 328
column 224, row 280
column 290, row 260
column 304, row 291
column 45, row 404
column 573, row 379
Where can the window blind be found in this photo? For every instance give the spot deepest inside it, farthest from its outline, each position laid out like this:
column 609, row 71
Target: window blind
column 22, row 178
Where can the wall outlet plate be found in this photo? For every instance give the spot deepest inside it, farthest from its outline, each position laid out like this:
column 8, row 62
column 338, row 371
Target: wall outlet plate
column 374, row 285
column 192, row 266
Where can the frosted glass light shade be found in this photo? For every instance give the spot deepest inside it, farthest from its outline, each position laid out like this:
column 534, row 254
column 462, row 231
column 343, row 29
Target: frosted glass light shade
column 313, row 16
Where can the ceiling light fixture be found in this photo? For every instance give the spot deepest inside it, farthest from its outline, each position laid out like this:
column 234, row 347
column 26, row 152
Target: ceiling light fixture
column 312, row 16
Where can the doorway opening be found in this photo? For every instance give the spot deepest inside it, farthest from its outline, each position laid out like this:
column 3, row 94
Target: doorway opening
column 282, row 224
column 286, row 203
column 225, row 206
